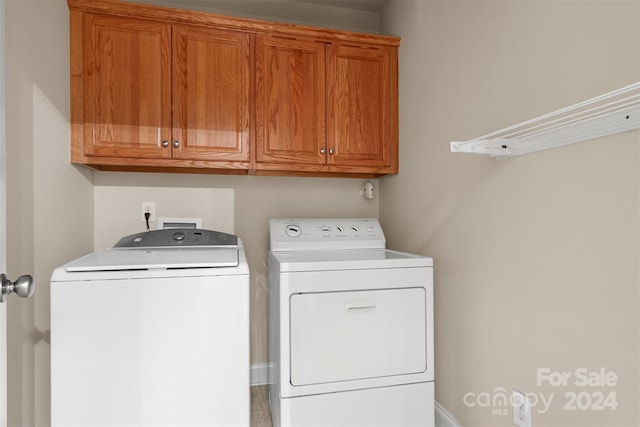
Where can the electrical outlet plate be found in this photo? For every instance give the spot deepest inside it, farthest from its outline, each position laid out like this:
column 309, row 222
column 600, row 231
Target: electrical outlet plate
column 521, row 409
column 151, row 208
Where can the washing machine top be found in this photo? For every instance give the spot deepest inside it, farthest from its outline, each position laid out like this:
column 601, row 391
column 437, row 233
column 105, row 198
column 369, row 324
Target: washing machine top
column 150, row 254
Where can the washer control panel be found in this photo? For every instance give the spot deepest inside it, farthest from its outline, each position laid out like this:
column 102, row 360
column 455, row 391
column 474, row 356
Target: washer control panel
column 325, row 233
column 177, row 237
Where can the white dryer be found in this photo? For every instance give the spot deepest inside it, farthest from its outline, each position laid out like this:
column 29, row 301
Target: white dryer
column 154, row 331
column 350, row 327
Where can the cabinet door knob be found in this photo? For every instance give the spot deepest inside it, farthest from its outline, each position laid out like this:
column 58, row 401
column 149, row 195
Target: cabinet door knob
column 176, row 144
column 331, row 151
column 323, row 151
column 165, row 143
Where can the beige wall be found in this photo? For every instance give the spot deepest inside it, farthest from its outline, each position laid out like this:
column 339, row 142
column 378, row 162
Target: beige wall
column 50, row 203
column 118, row 209
column 537, row 257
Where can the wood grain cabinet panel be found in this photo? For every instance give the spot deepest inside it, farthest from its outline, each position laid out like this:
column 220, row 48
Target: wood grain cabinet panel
column 361, row 126
column 290, row 102
column 325, row 107
column 211, row 83
column 159, row 91
column 127, row 91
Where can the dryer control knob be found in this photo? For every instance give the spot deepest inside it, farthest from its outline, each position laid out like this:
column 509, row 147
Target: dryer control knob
column 293, row 230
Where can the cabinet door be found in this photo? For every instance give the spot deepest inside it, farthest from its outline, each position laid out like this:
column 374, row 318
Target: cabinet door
column 361, row 117
column 127, row 96
column 290, row 101
column 211, row 98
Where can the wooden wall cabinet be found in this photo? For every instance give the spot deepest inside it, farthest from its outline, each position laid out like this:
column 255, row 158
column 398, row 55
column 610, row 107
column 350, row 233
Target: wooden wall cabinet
column 127, row 87
column 362, row 109
column 159, row 89
column 163, row 95
column 290, row 104
column 328, row 107
column 211, row 94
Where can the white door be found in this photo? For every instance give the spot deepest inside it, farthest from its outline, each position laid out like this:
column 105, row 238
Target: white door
column 24, row 285
column 3, row 311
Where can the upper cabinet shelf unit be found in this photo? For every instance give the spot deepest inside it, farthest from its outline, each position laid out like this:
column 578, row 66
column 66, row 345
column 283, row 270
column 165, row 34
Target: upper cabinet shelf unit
column 614, row 112
column 159, row 89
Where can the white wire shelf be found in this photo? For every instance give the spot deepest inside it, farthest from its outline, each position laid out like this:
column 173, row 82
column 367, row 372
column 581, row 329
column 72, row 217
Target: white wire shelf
column 614, row 112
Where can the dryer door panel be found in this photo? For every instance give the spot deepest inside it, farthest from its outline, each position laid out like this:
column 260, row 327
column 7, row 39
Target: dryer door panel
column 341, row 336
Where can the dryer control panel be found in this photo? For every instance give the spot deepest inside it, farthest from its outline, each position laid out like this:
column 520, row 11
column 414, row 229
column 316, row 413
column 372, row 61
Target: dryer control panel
column 288, row 234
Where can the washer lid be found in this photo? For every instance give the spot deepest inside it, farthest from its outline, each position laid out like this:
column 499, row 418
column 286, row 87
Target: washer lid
column 153, row 259
column 181, row 248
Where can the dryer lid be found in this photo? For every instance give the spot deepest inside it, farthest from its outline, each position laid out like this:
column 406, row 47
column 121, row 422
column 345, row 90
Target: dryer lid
column 347, row 259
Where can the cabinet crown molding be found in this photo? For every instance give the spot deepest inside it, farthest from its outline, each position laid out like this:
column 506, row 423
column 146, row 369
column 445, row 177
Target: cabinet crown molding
column 174, row 15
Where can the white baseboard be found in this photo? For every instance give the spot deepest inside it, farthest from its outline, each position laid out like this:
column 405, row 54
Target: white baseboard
column 260, row 374
column 444, row 418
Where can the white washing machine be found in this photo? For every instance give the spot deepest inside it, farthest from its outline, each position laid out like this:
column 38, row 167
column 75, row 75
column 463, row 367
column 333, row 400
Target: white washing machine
column 350, row 327
column 154, row 331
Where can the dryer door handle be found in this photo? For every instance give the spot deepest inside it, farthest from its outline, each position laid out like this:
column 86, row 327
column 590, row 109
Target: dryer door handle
column 360, row 307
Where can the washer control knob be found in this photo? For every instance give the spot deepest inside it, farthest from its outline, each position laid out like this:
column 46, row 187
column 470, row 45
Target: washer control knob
column 178, row 236
column 292, row 230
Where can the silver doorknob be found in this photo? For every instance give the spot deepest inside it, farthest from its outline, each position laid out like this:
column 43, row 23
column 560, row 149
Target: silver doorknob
column 323, row 151
column 332, row 151
column 23, row 287
column 176, row 144
column 165, row 143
